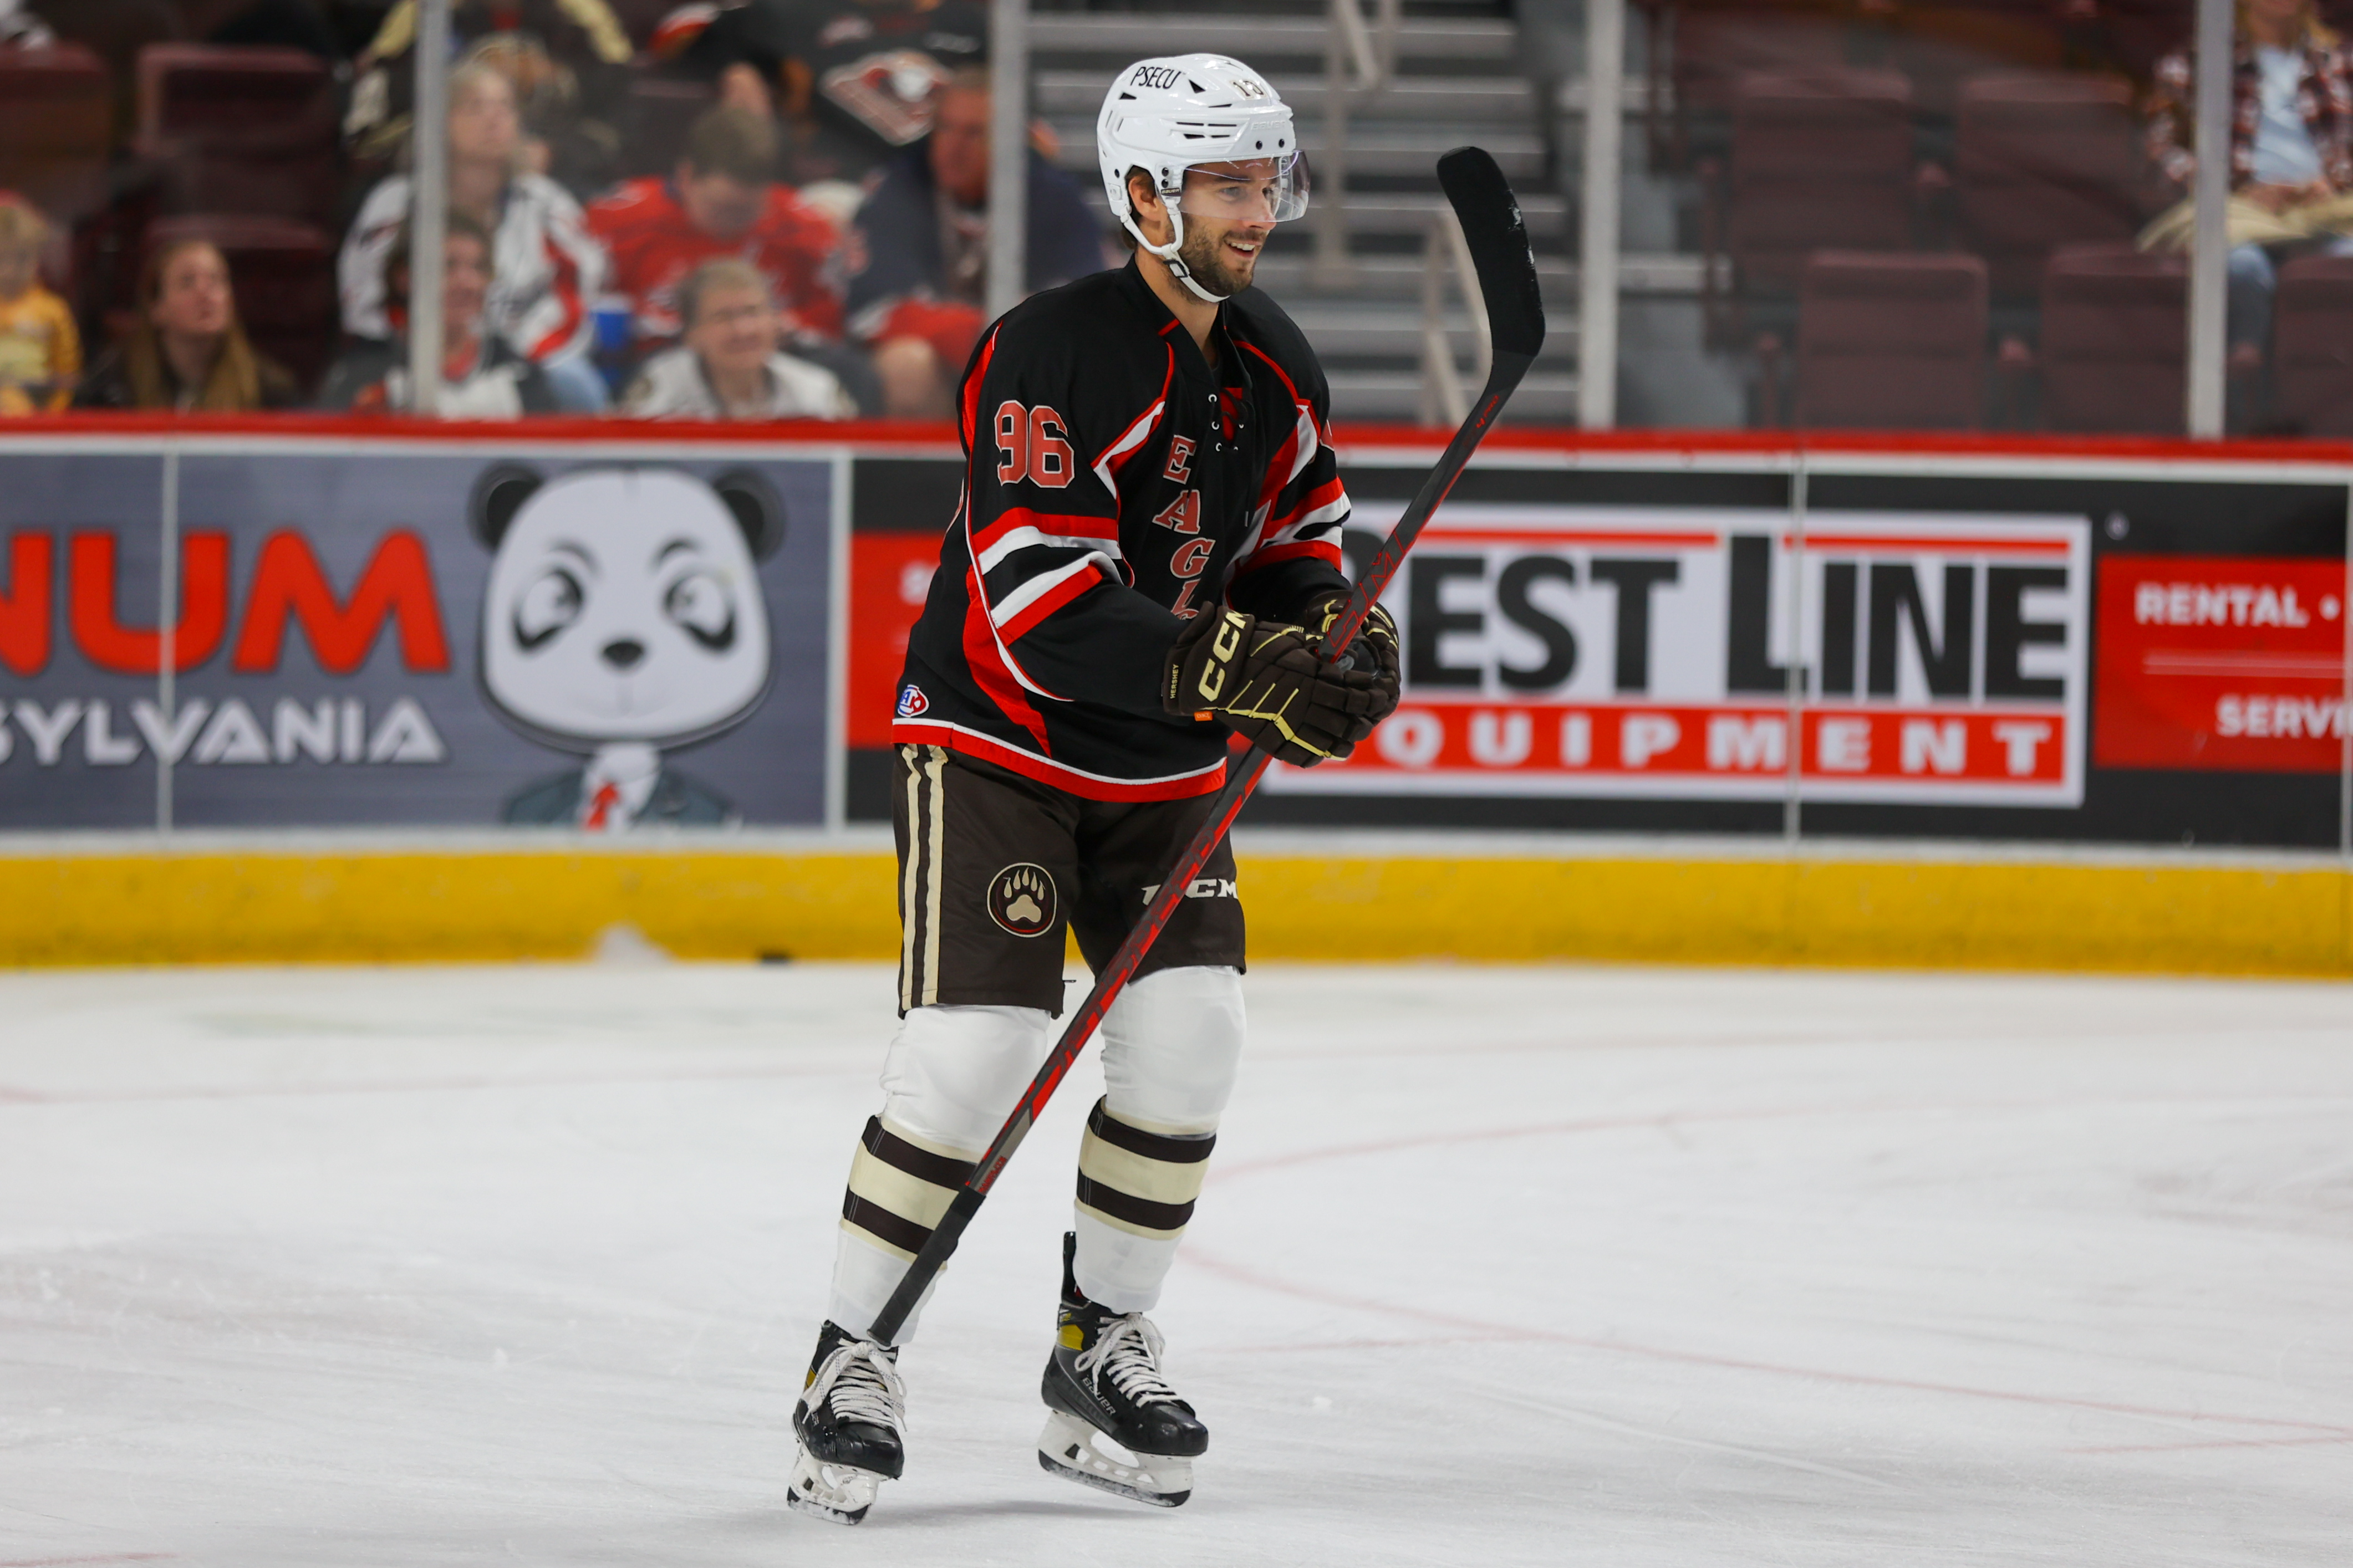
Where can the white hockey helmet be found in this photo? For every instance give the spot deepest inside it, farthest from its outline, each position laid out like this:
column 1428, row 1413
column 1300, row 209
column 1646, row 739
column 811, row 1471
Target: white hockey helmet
column 1182, row 111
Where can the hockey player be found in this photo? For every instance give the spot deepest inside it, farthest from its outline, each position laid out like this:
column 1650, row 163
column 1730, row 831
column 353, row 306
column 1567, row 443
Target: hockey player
column 1144, row 562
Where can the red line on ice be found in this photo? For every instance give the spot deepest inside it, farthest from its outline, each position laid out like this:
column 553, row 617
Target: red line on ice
column 1669, row 1118
column 2216, row 1443
column 402, row 1085
column 2321, row 1432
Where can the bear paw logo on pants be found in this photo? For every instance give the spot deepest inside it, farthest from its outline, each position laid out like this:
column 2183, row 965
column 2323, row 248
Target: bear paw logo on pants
column 1021, row 900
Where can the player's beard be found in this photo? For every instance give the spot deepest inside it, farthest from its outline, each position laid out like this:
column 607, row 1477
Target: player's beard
column 1203, row 257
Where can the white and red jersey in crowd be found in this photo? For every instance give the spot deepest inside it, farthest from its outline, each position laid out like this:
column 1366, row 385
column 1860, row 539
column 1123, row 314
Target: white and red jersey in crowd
column 546, row 267
column 653, row 246
column 1116, row 483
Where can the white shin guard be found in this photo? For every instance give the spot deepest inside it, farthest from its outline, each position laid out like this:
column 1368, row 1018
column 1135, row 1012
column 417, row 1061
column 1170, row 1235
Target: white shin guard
column 1171, row 1045
column 948, row 1083
column 1171, row 1048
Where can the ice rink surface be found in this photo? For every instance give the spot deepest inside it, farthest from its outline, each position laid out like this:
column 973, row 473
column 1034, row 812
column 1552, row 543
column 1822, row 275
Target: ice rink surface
column 389, row 1269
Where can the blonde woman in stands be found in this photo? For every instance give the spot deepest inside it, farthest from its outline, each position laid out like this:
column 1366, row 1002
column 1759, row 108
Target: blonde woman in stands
column 569, row 57
column 728, row 366
column 547, row 267
column 41, row 352
column 187, row 350
column 2290, row 154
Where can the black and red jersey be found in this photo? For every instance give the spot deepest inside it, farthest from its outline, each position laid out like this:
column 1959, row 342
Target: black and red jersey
column 1115, row 484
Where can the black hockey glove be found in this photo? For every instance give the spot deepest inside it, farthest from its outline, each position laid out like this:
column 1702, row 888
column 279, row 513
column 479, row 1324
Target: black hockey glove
column 1270, row 685
column 1375, row 647
column 1374, row 640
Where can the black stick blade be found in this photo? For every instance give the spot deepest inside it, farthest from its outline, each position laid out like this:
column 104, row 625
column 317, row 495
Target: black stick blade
column 1498, row 235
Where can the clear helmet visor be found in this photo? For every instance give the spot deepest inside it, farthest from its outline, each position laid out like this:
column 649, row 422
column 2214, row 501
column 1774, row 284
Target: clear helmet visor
column 1252, row 190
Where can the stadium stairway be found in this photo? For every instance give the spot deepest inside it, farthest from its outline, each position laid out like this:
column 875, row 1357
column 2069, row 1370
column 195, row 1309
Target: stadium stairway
column 1460, row 78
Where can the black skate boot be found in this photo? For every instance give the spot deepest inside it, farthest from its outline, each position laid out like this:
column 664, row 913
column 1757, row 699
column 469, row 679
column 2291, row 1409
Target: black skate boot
column 1103, row 1382
column 852, row 1427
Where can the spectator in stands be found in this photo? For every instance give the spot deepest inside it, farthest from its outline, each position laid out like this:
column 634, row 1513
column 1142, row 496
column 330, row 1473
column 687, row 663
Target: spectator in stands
column 729, row 366
column 187, row 350
column 855, row 79
column 482, row 377
column 41, row 352
column 577, row 147
column 918, row 253
column 722, row 200
column 546, row 266
column 2291, row 155
column 569, row 60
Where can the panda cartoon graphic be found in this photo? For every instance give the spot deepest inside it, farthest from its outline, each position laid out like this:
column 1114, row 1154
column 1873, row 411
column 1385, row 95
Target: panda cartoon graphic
column 623, row 619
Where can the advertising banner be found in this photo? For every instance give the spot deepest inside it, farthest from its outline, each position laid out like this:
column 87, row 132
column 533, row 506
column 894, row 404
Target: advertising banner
column 2220, row 662
column 635, row 630
column 1682, row 652
column 890, row 573
column 80, row 550
column 2101, row 650
column 371, row 634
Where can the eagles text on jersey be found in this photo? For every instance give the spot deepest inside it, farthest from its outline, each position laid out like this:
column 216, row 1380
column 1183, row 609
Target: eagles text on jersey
column 1115, row 484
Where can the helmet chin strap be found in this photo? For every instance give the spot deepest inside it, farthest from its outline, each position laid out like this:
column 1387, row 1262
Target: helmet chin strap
column 1167, row 253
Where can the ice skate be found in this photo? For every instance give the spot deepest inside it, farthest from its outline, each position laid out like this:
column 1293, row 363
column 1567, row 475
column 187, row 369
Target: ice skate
column 1114, row 1423
column 850, row 1425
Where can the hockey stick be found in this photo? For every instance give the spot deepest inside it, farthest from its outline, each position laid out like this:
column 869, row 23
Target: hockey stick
column 1490, row 215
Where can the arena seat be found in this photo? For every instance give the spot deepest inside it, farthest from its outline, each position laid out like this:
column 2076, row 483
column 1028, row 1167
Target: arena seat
column 662, row 110
column 1716, row 45
column 284, row 275
column 2040, row 160
column 234, row 130
column 56, row 110
column 1892, row 342
column 1820, row 159
column 2114, row 338
column 1942, row 44
column 2312, row 346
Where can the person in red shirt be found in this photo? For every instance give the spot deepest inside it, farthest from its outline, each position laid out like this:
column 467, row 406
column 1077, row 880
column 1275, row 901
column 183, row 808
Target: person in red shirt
column 720, row 201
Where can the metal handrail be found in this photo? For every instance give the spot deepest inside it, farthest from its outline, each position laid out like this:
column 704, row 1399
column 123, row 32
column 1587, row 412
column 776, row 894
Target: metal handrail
column 1349, row 26
column 1370, row 50
column 1445, row 395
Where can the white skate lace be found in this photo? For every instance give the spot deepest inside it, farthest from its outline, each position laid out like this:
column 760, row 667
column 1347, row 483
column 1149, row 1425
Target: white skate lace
column 862, row 1384
column 1128, row 1351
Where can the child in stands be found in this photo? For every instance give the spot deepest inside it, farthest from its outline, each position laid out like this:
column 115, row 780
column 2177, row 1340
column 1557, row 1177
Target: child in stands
column 41, row 352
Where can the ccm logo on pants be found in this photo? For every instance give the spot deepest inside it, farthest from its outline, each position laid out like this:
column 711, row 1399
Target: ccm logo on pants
column 1200, row 887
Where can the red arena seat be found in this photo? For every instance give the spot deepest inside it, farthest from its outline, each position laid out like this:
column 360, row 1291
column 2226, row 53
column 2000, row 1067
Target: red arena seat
column 2041, row 161
column 2115, row 336
column 2312, row 346
column 1941, row 44
column 1819, row 160
column 235, row 130
column 55, row 109
column 284, row 275
column 1716, row 45
column 1892, row 342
